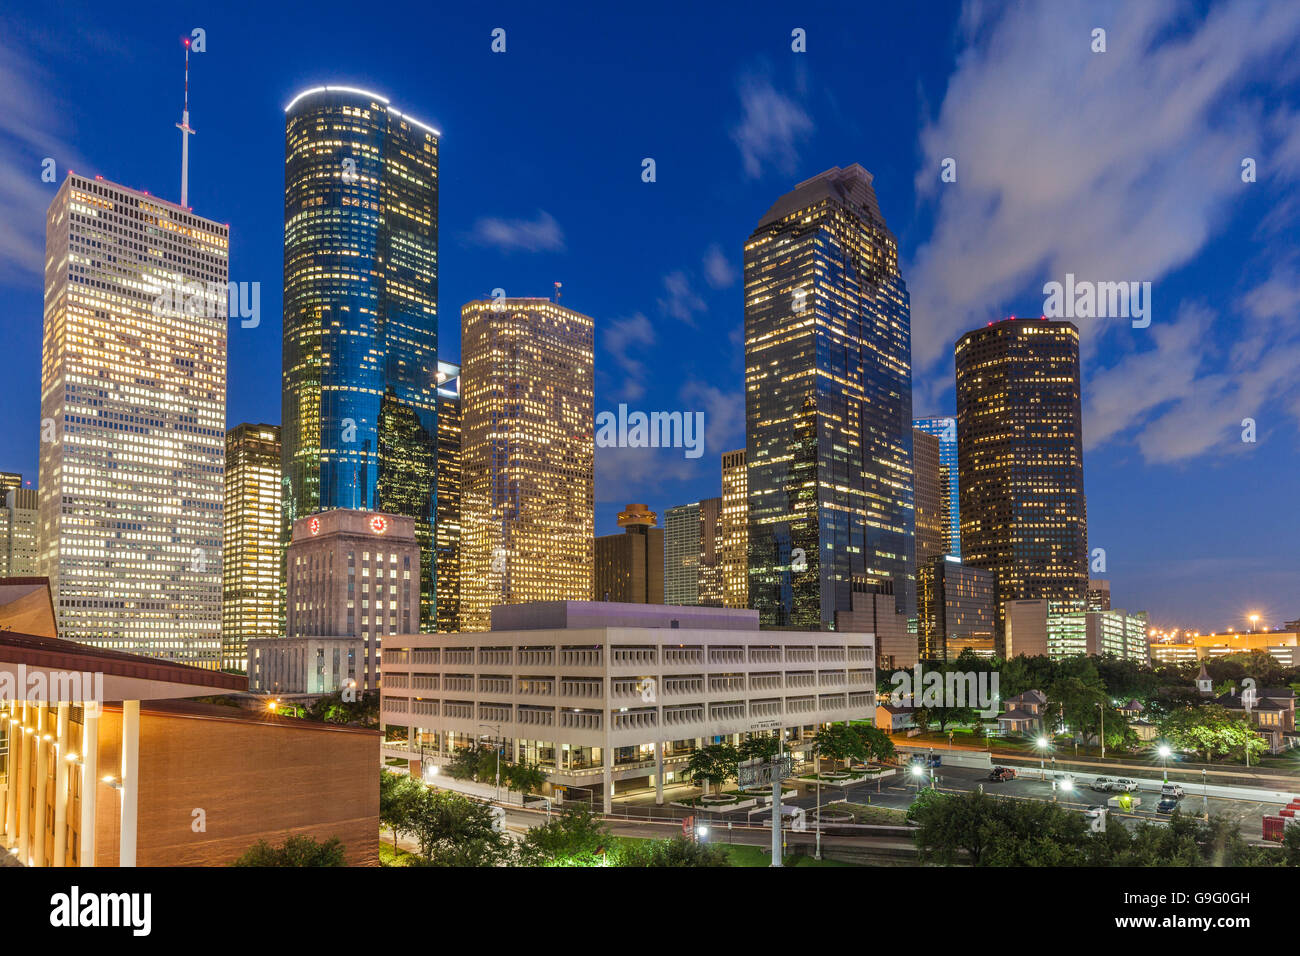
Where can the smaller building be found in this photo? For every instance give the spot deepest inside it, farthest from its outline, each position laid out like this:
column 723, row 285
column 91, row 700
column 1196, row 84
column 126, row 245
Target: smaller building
column 1270, row 709
column 895, row 718
column 630, row 566
column 954, row 608
column 19, row 551
column 304, row 665
column 876, row 612
column 1023, row 714
column 1060, row 629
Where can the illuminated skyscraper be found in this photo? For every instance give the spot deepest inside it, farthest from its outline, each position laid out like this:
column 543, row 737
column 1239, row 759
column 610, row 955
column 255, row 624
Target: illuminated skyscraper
column 527, row 451
column 19, row 518
column 945, row 429
column 133, row 421
column 359, row 400
column 931, row 532
column 954, row 609
column 828, row 404
column 1020, row 450
column 693, row 570
column 446, row 525
column 735, row 529
column 252, row 563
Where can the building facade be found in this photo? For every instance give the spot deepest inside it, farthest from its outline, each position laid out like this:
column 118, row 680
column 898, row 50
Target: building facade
column 1020, row 452
column 931, row 527
column 446, row 525
column 945, row 429
column 305, row 665
column 693, row 554
column 252, row 566
column 1058, row 629
column 735, row 529
column 20, row 554
column 354, row 574
column 954, row 609
column 360, row 351
column 630, row 566
column 605, row 696
column 527, row 455
column 133, row 421
column 828, row 404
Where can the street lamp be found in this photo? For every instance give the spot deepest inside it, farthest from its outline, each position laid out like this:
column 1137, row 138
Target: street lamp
column 1042, row 758
column 1164, row 752
column 1254, row 619
column 918, row 772
column 817, row 765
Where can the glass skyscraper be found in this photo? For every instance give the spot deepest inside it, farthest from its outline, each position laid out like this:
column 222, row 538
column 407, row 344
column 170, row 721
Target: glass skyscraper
column 828, row 404
column 360, row 404
column 945, row 429
column 1020, row 452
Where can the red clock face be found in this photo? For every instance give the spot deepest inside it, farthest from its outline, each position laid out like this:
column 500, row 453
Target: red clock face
column 378, row 525
column 314, row 525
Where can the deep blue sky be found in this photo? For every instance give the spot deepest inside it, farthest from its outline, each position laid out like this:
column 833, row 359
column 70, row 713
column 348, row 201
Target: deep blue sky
column 1121, row 165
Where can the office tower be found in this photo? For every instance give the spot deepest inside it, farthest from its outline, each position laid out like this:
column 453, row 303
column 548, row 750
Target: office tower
column 1020, row 452
column 682, row 554
column 874, row 611
column 1098, row 594
column 954, row 609
column 735, row 529
column 10, row 481
column 527, row 452
column 693, row 570
column 251, row 559
column 19, row 519
column 931, row 531
column 133, row 421
column 446, row 523
column 828, row 404
column 630, row 566
column 360, row 375
column 945, row 429
column 352, row 575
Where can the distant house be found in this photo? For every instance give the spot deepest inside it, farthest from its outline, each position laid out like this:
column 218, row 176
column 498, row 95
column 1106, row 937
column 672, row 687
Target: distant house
column 895, row 718
column 1144, row 729
column 1132, row 710
column 1271, row 710
column 1023, row 714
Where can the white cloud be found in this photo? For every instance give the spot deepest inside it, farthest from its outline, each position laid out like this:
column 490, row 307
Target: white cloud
column 626, row 340
column 681, row 302
column 771, row 127
column 542, row 234
column 717, row 268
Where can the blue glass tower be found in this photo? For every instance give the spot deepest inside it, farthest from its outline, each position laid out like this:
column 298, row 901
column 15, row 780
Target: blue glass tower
column 945, row 429
column 360, row 350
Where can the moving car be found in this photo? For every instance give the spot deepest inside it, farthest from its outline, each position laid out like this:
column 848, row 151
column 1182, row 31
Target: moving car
column 999, row 774
column 1172, row 790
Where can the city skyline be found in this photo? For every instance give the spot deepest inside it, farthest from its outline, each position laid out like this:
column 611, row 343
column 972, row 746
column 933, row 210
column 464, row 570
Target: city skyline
column 1123, row 486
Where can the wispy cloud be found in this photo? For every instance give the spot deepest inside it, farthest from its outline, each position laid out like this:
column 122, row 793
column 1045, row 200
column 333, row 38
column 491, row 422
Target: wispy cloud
column 30, row 131
column 542, row 234
column 771, row 127
column 626, row 341
column 1119, row 165
column 681, row 301
column 718, row 270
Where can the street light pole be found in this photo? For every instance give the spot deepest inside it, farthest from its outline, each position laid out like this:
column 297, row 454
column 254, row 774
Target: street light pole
column 817, row 763
column 1102, row 708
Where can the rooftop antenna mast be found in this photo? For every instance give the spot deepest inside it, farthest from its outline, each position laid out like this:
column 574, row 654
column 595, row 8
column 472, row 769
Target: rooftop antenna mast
column 557, row 292
column 186, row 133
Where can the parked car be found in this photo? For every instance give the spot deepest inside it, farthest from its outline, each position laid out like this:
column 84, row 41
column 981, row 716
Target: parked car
column 1127, row 784
column 999, row 774
column 1103, row 784
column 1115, row 784
column 1167, row 805
column 1172, row 790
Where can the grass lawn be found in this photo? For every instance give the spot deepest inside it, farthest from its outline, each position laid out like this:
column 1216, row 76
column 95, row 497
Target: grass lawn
column 754, row 856
column 883, row 816
column 388, row 856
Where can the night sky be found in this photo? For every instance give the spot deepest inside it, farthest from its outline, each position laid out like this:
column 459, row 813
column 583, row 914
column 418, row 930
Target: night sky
column 1123, row 165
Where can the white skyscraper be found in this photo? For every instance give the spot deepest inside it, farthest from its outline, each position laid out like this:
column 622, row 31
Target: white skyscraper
column 133, row 421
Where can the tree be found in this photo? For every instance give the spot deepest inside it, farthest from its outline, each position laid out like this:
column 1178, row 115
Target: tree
column 714, row 764
column 1211, row 729
column 839, row 742
column 464, row 763
column 296, row 851
column 333, row 709
column 574, row 838
column 398, row 794
column 523, row 777
column 880, row 746
column 455, row 830
column 761, row 747
column 921, row 719
column 675, row 852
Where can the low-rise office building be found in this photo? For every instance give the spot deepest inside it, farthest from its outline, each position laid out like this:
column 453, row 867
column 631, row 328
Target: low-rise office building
column 1060, row 629
column 304, row 665
column 604, row 695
